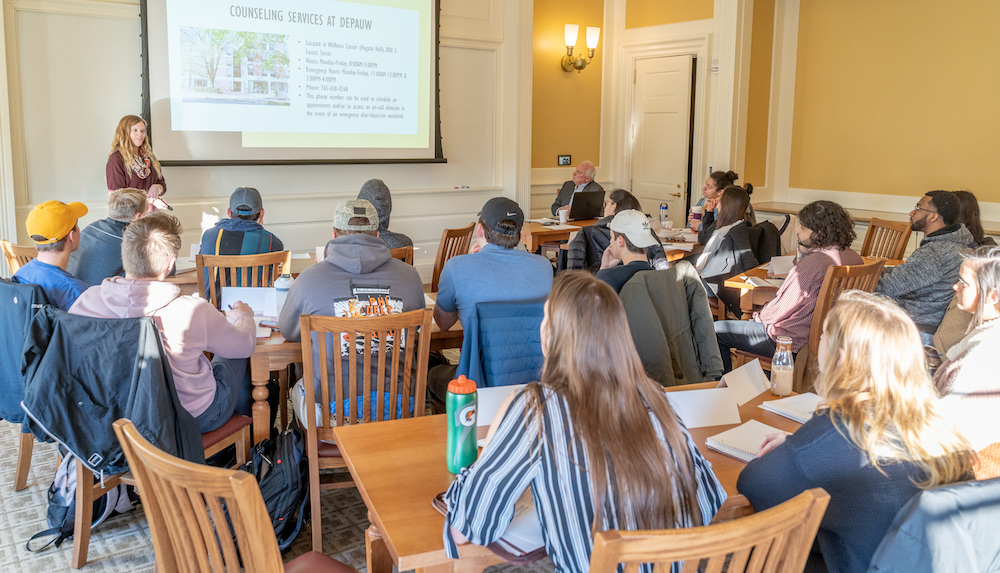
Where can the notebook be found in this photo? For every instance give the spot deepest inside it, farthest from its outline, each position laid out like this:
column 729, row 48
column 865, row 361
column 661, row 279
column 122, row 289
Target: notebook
column 522, row 542
column 799, row 408
column 743, row 441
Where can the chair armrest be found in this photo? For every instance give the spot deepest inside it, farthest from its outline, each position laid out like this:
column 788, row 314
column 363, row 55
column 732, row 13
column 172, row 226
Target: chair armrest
column 735, row 507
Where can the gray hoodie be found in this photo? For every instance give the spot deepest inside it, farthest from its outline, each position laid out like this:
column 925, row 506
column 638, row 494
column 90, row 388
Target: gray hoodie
column 358, row 278
column 377, row 193
column 923, row 284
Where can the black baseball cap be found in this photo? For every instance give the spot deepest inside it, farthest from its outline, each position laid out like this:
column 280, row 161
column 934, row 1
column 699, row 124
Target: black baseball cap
column 245, row 201
column 500, row 208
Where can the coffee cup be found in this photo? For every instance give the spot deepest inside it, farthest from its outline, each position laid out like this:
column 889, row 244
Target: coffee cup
column 697, row 211
column 563, row 216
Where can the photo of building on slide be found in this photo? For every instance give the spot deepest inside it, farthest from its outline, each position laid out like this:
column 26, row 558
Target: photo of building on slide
column 228, row 66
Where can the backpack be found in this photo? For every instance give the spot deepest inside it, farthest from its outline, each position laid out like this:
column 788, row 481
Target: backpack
column 282, row 472
column 61, row 515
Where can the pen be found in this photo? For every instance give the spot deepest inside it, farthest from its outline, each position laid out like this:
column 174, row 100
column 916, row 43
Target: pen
column 230, row 307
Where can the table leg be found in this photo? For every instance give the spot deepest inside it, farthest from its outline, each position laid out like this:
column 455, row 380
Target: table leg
column 378, row 558
column 259, row 376
column 746, row 303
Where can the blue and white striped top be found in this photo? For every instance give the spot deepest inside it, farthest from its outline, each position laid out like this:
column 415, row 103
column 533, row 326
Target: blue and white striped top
column 481, row 499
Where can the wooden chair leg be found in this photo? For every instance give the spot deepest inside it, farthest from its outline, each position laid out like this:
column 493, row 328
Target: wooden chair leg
column 243, row 447
column 24, row 461
column 283, row 397
column 314, row 502
column 84, row 514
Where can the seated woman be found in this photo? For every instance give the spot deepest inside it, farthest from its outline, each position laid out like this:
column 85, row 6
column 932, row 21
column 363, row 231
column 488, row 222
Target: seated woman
column 563, row 437
column 878, row 437
column 967, row 377
column 586, row 248
column 969, row 216
column 708, row 219
column 728, row 251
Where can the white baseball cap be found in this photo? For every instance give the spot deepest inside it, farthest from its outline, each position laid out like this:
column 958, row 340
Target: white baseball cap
column 634, row 225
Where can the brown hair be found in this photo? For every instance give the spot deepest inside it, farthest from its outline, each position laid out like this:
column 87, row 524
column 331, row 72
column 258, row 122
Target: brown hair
column 624, row 201
column 985, row 263
column 723, row 179
column 732, row 206
column 501, row 239
column 124, row 204
column 149, row 243
column 628, row 244
column 830, row 223
column 122, row 143
column 969, row 215
column 591, row 361
column 58, row 246
column 355, row 221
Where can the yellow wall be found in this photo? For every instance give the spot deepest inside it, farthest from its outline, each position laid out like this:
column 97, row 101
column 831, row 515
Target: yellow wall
column 897, row 97
column 758, row 99
column 565, row 106
column 639, row 13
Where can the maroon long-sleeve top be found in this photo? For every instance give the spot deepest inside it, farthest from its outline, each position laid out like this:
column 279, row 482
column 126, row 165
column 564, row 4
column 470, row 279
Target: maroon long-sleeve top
column 120, row 177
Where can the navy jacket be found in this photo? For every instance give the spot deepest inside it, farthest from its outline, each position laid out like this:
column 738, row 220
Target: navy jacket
column 20, row 303
column 503, row 345
column 100, row 252
column 81, row 374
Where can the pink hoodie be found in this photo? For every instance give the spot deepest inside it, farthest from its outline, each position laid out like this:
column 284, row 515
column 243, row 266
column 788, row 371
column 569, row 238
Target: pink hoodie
column 188, row 325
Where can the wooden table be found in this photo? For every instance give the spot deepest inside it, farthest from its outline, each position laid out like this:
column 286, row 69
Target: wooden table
column 752, row 297
column 534, row 234
column 186, row 279
column 399, row 467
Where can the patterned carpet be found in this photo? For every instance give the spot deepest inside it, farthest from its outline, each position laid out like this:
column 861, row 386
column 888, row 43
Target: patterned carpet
column 123, row 544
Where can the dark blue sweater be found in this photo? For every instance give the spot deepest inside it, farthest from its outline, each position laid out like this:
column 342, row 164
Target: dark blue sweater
column 863, row 501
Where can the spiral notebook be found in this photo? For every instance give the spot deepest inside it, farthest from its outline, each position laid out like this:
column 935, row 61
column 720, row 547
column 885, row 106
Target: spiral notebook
column 741, row 442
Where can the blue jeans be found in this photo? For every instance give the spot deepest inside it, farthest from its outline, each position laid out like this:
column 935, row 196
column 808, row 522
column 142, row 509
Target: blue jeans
column 232, row 385
column 747, row 335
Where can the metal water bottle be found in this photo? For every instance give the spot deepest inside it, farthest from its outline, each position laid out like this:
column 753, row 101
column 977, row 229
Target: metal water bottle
column 461, row 405
column 663, row 215
column 281, row 286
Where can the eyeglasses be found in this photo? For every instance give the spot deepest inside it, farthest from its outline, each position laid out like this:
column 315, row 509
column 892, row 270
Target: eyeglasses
column 917, row 207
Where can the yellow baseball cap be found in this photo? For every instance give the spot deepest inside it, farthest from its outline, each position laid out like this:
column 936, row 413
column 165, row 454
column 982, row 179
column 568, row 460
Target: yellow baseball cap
column 50, row 221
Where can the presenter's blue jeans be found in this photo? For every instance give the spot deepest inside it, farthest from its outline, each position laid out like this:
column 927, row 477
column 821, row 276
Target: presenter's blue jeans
column 747, row 335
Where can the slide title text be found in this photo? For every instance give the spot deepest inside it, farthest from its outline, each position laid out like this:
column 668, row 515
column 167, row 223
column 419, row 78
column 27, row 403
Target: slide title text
column 255, row 13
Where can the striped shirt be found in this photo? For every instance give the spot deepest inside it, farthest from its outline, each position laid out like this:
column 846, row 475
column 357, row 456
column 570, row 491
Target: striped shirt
column 481, row 499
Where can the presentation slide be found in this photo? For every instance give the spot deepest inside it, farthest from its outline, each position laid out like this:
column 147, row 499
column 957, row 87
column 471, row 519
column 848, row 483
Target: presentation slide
column 292, row 79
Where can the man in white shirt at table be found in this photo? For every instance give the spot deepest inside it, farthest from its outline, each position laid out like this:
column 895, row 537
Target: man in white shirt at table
column 583, row 180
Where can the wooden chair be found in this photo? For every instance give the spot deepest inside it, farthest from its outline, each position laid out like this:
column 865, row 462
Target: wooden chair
column 777, row 540
column 320, row 447
column 404, row 254
column 240, row 270
column 184, row 507
column 16, row 255
column 886, row 239
column 838, row 279
column 454, row 242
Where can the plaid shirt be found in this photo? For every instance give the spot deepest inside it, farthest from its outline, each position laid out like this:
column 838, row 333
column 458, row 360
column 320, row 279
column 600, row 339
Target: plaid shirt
column 790, row 313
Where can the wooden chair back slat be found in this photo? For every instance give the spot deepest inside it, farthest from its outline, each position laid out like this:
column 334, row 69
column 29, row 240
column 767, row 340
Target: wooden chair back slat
column 453, row 242
column 404, row 254
column 886, row 239
column 183, row 503
column 380, row 375
column 778, row 540
column 16, row 255
column 247, row 270
column 324, row 374
column 837, row 280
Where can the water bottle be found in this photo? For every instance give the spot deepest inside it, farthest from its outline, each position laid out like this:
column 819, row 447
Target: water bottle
column 663, row 216
column 782, row 366
column 281, row 287
column 461, row 404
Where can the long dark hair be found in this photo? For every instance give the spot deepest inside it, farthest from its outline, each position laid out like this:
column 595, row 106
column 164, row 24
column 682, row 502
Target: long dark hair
column 732, row 206
column 968, row 209
column 591, row 361
column 624, row 201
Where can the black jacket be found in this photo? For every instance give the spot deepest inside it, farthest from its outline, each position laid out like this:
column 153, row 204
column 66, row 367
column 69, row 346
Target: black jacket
column 587, row 247
column 734, row 255
column 20, row 303
column 81, row 374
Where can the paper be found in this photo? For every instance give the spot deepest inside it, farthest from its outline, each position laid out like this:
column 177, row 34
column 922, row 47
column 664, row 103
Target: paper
column 262, row 331
column 263, row 301
column 320, row 253
column 563, row 227
column 742, row 442
column 799, row 408
column 689, row 236
column 302, row 255
column 195, row 250
column 543, row 220
column 678, row 246
column 747, row 381
column 759, row 282
column 524, row 534
column 428, row 301
column 782, row 265
column 490, row 400
column 710, row 407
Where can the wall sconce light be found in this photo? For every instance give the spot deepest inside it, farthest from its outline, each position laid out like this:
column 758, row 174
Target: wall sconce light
column 569, row 63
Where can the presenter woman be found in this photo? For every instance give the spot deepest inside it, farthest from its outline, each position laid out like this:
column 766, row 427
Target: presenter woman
column 596, row 440
column 131, row 162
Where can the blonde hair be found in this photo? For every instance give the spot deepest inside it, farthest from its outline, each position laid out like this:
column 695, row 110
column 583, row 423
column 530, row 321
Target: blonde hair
column 122, row 142
column 873, row 377
column 149, row 243
column 124, row 204
column 591, row 361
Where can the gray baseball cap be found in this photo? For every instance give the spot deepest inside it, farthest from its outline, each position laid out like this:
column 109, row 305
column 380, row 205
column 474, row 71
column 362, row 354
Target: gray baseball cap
column 245, row 201
column 355, row 208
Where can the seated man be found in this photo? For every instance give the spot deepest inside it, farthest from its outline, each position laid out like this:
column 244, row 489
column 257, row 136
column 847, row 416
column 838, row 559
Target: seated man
column 100, row 252
column 189, row 325
column 825, row 233
column 243, row 232
column 358, row 276
column 494, row 271
column 583, row 180
column 377, row 193
column 52, row 226
column 626, row 255
column 923, row 284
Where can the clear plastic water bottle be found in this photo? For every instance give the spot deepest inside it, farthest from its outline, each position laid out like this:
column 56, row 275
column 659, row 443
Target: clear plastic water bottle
column 782, row 367
column 663, row 215
column 281, row 286
column 461, row 405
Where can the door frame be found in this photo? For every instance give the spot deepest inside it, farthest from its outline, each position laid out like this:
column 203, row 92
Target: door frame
column 696, row 45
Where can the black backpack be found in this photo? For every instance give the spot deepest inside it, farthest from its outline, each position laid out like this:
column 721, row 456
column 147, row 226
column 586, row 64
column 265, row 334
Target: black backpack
column 282, row 471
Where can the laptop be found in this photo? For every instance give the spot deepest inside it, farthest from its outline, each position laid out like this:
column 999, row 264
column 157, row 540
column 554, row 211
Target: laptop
column 587, row 205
